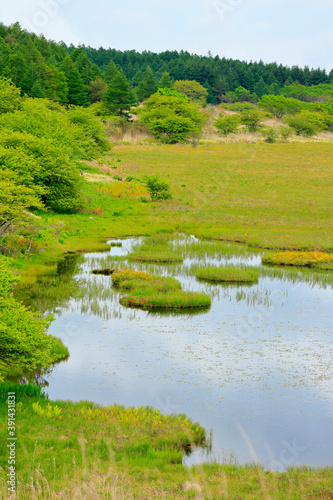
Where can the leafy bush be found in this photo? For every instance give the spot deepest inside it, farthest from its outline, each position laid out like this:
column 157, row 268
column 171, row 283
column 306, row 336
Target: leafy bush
column 10, row 96
column 171, row 119
column 240, row 106
column 42, row 143
column 307, row 123
column 193, row 90
column 157, row 187
column 24, row 343
column 252, row 120
column 270, row 134
column 227, row 124
column 280, row 105
column 285, row 132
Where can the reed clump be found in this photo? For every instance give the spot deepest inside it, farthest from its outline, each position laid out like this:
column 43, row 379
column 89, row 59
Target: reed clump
column 315, row 260
column 148, row 291
column 228, row 274
column 157, row 249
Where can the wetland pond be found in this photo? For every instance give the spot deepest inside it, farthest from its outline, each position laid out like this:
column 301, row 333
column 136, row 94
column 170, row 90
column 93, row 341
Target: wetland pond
column 255, row 369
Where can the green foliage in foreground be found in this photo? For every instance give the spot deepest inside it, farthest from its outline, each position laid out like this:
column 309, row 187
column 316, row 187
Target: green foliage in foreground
column 83, row 450
column 228, row 274
column 41, row 148
column 24, row 342
column 149, row 292
column 87, row 434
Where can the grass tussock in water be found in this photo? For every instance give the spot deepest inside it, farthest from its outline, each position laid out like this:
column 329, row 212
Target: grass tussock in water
column 159, row 249
column 157, row 258
column 228, row 274
column 149, row 292
column 315, row 260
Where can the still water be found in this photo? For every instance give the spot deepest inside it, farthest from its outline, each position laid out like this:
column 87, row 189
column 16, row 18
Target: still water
column 256, row 369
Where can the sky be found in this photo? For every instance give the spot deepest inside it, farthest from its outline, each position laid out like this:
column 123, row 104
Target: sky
column 291, row 32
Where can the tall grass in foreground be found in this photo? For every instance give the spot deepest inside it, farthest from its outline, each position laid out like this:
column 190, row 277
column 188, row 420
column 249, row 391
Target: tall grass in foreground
column 85, row 451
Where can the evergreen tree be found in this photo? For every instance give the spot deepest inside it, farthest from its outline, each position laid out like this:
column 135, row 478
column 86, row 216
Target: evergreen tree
column 147, row 86
column 261, row 88
column 166, row 81
column 119, row 97
column 97, row 89
column 110, row 72
column 77, row 91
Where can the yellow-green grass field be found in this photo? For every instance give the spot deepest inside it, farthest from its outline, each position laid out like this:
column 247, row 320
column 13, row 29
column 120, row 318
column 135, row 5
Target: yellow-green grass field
column 275, row 196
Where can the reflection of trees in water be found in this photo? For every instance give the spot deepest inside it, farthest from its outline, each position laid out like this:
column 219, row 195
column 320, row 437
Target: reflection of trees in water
column 35, row 378
column 53, row 290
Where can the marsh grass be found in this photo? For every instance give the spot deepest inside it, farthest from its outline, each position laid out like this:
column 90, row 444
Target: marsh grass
column 86, row 451
column 148, row 291
column 228, row 274
column 155, row 258
column 316, row 260
column 92, row 436
column 157, row 249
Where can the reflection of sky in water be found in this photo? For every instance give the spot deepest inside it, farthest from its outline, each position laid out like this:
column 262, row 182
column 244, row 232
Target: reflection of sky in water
column 257, row 366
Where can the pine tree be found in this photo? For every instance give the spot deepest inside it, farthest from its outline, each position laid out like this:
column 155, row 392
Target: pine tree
column 260, row 88
column 147, row 86
column 110, row 72
column 119, row 97
column 77, row 91
column 97, row 89
column 166, row 81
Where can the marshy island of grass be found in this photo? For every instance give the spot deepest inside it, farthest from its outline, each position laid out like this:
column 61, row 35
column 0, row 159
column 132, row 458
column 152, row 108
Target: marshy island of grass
column 157, row 249
column 314, row 260
column 228, row 274
column 148, row 291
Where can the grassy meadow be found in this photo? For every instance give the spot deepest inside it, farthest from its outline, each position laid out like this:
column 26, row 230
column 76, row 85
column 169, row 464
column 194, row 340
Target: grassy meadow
column 274, row 196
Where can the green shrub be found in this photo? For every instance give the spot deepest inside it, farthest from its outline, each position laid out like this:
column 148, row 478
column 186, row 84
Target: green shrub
column 171, row 119
column 240, row 106
column 24, row 342
column 252, row 120
column 157, row 187
column 227, row 124
column 270, row 134
column 280, row 105
column 307, row 123
column 10, row 98
column 285, row 132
